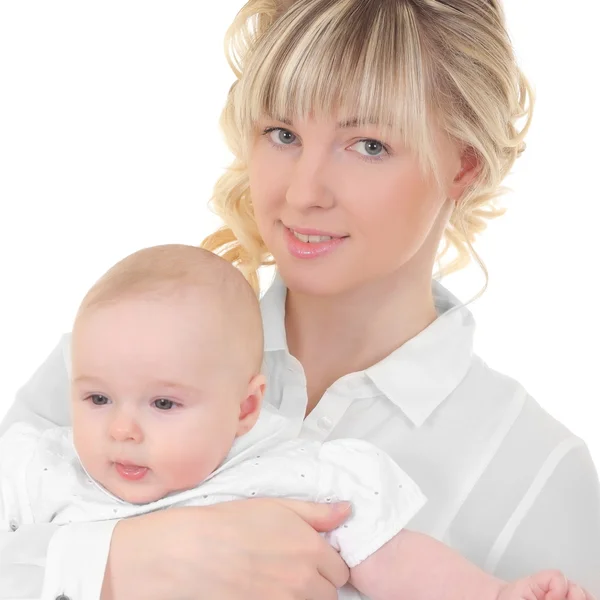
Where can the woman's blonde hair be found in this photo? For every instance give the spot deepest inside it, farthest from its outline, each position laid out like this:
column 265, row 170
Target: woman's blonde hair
column 397, row 62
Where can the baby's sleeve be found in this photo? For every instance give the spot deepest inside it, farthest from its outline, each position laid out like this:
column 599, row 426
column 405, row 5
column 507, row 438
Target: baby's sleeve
column 384, row 498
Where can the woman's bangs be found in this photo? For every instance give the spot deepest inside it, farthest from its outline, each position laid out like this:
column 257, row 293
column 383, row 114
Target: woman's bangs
column 342, row 66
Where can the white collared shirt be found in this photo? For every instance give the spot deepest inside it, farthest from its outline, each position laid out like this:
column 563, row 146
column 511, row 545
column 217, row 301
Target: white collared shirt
column 508, row 487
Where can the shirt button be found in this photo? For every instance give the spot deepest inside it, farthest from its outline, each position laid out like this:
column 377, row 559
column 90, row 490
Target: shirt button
column 325, row 423
column 14, row 525
column 62, row 597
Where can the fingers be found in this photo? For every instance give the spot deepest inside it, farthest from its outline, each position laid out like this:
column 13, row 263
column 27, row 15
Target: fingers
column 320, row 516
column 325, row 569
column 558, row 587
column 554, row 584
column 577, row 593
column 323, row 589
column 332, row 568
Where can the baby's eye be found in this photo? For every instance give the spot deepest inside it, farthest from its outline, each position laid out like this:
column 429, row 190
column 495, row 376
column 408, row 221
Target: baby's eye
column 164, row 404
column 99, row 399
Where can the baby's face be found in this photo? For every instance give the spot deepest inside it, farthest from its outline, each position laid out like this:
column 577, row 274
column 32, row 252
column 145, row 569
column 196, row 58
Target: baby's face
column 155, row 409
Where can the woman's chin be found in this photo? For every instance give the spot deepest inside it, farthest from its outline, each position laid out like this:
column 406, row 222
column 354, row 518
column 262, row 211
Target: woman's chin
column 316, row 279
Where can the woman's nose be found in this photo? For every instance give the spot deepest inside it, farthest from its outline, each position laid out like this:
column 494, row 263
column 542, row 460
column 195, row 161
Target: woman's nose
column 307, row 186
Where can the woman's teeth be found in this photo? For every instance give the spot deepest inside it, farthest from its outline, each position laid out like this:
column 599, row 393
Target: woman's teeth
column 312, row 239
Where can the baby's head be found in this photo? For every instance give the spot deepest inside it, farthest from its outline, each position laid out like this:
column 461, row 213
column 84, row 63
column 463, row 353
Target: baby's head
column 166, row 356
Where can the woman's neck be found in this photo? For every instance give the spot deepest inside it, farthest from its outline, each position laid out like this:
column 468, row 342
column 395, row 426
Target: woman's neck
column 335, row 335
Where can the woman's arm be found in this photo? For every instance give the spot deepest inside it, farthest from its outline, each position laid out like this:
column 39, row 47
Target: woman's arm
column 242, row 550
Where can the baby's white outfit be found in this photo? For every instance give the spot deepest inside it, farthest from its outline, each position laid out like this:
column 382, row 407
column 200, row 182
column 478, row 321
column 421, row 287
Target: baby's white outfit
column 42, row 481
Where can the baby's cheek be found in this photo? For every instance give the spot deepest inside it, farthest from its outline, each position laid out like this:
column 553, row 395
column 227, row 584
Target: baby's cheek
column 87, row 452
column 97, row 466
column 186, row 470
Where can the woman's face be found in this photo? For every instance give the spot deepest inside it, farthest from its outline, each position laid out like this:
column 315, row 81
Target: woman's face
column 340, row 205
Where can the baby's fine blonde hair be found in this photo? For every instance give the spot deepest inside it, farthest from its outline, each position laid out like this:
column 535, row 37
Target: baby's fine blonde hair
column 400, row 62
column 168, row 270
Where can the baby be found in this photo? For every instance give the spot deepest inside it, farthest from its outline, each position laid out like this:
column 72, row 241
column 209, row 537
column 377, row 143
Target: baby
column 166, row 407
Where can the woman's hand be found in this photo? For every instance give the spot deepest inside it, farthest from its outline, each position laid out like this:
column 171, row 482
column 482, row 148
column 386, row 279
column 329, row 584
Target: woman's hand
column 248, row 549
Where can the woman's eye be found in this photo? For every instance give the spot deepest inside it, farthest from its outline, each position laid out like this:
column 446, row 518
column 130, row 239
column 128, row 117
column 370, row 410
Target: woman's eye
column 164, row 404
column 98, row 399
column 280, row 136
column 371, row 148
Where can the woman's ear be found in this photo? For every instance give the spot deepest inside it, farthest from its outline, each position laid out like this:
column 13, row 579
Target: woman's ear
column 251, row 405
column 470, row 168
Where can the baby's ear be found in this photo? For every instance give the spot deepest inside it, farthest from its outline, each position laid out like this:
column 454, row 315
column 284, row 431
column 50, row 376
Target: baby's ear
column 251, row 405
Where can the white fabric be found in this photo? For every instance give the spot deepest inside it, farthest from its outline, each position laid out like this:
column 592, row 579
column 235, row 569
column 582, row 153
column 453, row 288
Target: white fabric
column 507, row 486
column 43, row 481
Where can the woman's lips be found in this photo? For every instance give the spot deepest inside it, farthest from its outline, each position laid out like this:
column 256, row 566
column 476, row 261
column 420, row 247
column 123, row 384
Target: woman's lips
column 305, row 243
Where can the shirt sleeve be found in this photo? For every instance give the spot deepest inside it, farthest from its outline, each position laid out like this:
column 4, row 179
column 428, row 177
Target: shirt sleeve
column 44, row 400
column 384, row 498
column 76, row 561
column 43, row 561
column 557, row 523
column 46, row 561
column 17, row 446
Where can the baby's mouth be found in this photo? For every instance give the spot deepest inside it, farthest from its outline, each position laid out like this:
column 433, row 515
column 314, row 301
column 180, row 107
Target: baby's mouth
column 130, row 472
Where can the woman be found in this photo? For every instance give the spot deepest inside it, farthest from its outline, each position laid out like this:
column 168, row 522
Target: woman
column 367, row 133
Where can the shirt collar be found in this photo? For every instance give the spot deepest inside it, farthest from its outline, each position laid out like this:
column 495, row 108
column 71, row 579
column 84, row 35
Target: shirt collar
column 419, row 375
column 272, row 307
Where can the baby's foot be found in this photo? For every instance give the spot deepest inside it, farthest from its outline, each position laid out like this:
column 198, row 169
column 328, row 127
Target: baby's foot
column 547, row 585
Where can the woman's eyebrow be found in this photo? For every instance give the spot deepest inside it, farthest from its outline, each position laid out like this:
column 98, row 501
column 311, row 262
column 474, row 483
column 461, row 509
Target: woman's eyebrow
column 345, row 124
column 355, row 122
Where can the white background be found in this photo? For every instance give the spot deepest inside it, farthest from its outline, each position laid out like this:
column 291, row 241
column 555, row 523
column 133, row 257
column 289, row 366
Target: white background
column 109, row 142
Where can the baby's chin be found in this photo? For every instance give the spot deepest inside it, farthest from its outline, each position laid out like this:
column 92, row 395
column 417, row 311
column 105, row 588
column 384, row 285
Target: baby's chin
column 140, row 492
column 139, row 496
